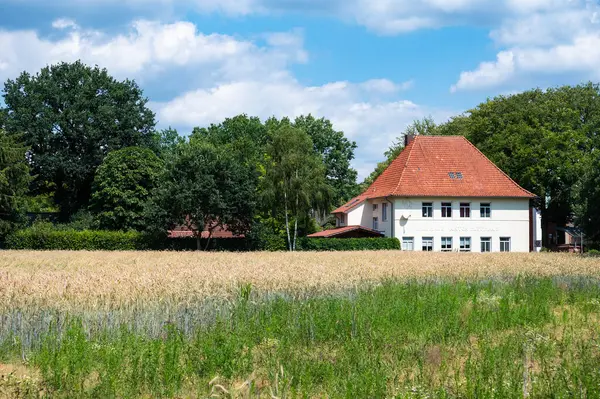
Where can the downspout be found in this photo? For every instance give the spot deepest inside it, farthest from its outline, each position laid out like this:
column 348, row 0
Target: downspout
column 392, row 221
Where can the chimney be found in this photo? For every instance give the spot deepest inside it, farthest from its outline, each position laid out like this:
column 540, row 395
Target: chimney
column 408, row 138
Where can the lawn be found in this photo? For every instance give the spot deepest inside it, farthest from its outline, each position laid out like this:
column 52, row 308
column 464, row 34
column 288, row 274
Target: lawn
column 363, row 324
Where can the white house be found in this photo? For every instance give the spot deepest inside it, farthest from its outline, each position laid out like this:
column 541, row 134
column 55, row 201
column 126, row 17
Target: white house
column 442, row 194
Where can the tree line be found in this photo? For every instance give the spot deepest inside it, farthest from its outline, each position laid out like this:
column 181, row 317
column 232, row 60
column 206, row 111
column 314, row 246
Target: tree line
column 81, row 145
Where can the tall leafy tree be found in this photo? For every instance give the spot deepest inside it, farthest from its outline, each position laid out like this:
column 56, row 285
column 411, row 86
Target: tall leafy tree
column 122, row 186
column 204, row 187
column 167, row 142
column 72, row 116
column 295, row 177
column 540, row 138
column 337, row 153
column 14, row 180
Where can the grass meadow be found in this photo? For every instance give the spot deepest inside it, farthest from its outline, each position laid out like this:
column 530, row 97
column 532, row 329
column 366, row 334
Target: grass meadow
column 307, row 325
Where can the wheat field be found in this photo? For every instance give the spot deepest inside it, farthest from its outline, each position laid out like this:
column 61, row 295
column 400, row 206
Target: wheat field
column 109, row 280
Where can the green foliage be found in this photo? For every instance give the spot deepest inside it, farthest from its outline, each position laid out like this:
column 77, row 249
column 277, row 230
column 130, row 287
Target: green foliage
column 73, row 115
column 122, row 187
column 541, row 138
column 294, row 180
column 348, row 244
column 14, row 181
column 491, row 339
column 167, row 142
column 589, row 200
column 45, row 237
column 204, row 186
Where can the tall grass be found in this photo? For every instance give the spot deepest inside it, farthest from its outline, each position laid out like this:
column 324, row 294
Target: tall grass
column 502, row 338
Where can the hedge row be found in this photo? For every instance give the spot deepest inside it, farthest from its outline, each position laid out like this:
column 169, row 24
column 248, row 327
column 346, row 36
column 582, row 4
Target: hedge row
column 36, row 239
column 348, row 244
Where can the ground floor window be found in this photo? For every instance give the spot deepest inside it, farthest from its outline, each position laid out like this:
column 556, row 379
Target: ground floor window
column 504, row 244
column 446, row 244
column 486, row 244
column 408, row 243
column 375, row 224
column 427, row 244
column 465, row 244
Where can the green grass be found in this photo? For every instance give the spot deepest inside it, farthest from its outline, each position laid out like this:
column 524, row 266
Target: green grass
column 502, row 339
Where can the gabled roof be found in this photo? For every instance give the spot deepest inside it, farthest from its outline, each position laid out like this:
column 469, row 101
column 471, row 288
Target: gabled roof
column 339, row 231
column 440, row 166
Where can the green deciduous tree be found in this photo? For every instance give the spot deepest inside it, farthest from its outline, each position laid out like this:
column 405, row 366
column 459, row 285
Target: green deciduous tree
column 541, row 138
column 204, row 187
column 295, row 177
column 71, row 116
column 14, row 180
column 122, row 186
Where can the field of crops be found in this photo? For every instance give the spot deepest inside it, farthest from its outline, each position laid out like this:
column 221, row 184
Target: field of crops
column 362, row 324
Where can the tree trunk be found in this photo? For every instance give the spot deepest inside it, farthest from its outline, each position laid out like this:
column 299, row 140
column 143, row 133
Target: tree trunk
column 296, row 225
column 198, row 244
column 210, row 231
column 287, row 222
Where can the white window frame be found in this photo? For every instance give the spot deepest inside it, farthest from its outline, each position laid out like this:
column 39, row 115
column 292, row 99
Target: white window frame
column 408, row 243
column 464, row 209
column 427, row 244
column 427, row 210
column 447, row 208
column 445, row 244
column 342, row 218
column 488, row 243
column 376, row 223
column 503, row 244
column 482, row 210
column 465, row 244
column 384, row 209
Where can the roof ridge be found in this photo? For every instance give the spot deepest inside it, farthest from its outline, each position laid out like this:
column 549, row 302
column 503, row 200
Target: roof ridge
column 411, row 145
column 496, row 166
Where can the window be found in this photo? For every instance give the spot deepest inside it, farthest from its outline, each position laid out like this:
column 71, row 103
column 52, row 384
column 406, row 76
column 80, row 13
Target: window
column 504, row 244
column 446, row 209
column 408, row 243
column 375, row 224
column 486, row 210
column 465, row 244
column 465, row 210
column 384, row 208
column 427, row 209
column 374, row 207
column 342, row 218
column 446, row 244
column 427, row 244
column 486, row 244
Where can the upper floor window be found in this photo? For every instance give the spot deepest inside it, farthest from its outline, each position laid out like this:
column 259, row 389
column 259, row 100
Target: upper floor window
column 504, row 244
column 375, row 224
column 446, row 209
column 486, row 210
column 342, row 218
column 375, row 206
column 427, row 209
column 465, row 210
column 384, row 208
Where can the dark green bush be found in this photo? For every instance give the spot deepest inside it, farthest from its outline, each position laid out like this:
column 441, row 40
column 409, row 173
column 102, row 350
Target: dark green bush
column 46, row 239
column 348, row 244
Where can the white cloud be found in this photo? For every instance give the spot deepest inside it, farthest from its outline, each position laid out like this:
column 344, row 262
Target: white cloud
column 560, row 37
column 374, row 124
column 64, row 23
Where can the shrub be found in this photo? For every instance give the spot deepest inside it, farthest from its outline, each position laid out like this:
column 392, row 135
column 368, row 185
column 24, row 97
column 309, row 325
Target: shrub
column 51, row 239
column 348, row 244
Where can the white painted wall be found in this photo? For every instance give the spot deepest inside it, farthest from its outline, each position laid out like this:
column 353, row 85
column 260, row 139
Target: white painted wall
column 509, row 218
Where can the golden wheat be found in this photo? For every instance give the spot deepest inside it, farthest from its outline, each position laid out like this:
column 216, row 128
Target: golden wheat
column 62, row 279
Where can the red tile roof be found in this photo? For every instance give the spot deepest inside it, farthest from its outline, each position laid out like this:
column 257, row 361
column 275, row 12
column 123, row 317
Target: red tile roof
column 219, row 232
column 343, row 230
column 424, row 168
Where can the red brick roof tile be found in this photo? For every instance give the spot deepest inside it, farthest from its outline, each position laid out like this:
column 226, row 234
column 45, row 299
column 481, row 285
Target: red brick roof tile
column 343, row 230
column 440, row 166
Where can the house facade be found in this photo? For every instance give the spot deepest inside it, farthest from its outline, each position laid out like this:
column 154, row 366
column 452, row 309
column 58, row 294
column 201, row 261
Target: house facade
column 443, row 194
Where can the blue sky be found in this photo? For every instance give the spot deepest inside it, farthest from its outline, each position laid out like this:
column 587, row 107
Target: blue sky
column 371, row 66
